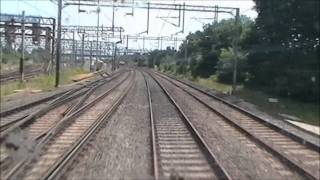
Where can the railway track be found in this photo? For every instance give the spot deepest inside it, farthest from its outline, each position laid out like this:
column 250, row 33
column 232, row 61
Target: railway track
column 62, row 142
column 300, row 156
column 13, row 76
column 178, row 149
column 38, row 108
column 37, row 125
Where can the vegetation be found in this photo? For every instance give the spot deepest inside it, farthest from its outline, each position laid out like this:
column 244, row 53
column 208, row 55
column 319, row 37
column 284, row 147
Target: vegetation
column 284, row 47
column 307, row 112
column 41, row 82
column 11, row 58
column 277, row 55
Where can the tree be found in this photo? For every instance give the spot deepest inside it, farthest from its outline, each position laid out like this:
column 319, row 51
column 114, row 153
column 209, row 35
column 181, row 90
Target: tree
column 283, row 48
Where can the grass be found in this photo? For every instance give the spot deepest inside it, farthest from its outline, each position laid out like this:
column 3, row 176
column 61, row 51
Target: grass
column 43, row 82
column 307, row 112
column 213, row 84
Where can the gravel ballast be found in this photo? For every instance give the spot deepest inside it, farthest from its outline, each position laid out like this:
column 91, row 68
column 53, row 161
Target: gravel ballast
column 121, row 149
column 239, row 155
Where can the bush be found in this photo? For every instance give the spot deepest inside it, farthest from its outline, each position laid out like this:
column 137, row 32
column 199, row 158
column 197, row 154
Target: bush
column 286, row 73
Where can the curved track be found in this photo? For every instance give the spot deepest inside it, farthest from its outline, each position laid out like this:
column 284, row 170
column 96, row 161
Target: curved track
column 64, row 140
column 37, row 125
column 38, row 108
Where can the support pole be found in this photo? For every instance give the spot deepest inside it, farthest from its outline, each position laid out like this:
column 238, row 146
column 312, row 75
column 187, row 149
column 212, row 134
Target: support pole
column 183, row 17
column 74, row 47
column 1, row 53
column 143, row 41
column 175, row 43
column 127, row 45
column 82, row 49
column 22, row 48
column 114, row 57
column 90, row 65
column 148, row 16
column 100, row 50
column 98, row 22
column 235, row 50
column 186, row 53
column 179, row 23
column 52, row 45
column 58, row 44
column 112, row 21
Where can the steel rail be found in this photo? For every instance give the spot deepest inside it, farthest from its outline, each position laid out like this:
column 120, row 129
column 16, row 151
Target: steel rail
column 16, row 76
column 64, row 98
column 58, row 128
column 86, row 96
column 78, row 105
column 37, row 138
column 60, row 166
column 213, row 160
column 281, row 156
column 57, row 95
column 33, row 116
column 76, row 113
column 26, row 106
column 257, row 118
column 69, row 95
column 153, row 135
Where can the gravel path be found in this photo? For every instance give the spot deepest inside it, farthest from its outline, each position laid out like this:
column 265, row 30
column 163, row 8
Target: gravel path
column 121, row 150
column 240, row 156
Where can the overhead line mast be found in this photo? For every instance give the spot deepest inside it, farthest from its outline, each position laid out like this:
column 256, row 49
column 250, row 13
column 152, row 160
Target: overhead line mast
column 58, row 44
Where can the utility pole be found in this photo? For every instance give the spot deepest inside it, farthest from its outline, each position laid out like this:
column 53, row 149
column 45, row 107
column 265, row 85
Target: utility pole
column 183, row 17
column 186, row 53
column 100, row 50
column 148, row 17
column 58, row 44
column 127, row 45
column 114, row 57
column 90, row 56
column 112, row 20
column 73, row 47
column 52, row 46
column 98, row 22
column 176, row 41
column 143, row 41
column 82, row 49
column 22, row 48
column 235, row 51
column 1, row 53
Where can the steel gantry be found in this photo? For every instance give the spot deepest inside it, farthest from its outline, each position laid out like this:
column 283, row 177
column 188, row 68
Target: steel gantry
column 181, row 8
column 93, row 40
column 159, row 40
column 29, row 32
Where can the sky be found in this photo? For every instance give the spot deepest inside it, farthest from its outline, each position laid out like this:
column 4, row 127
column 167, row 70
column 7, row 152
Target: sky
column 132, row 24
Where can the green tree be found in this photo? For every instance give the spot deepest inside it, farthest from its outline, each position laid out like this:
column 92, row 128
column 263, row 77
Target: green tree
column 283, row 48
